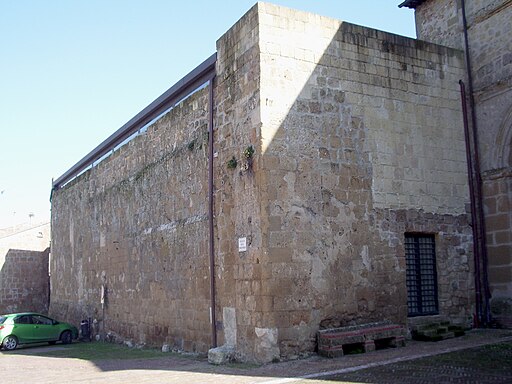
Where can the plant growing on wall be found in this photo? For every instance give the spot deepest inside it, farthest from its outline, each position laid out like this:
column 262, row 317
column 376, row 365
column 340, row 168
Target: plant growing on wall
column 248, row 152
column 248, row 157
column 232, row 163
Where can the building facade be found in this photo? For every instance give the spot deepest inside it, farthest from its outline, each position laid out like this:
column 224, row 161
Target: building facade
column 323, row 169
column 485, row 25
column 24, row 272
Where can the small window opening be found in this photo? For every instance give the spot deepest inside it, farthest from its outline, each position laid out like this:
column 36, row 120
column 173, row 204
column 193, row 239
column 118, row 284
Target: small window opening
column 420, row 254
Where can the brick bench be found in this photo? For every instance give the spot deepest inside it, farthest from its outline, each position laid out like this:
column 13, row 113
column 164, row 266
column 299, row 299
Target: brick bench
column 332, row 342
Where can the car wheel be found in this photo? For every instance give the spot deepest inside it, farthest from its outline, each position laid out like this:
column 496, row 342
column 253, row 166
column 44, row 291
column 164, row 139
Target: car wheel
column 65, row 337
column 10, row 342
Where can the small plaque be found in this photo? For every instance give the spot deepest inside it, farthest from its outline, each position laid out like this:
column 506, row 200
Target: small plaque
column 242, row 244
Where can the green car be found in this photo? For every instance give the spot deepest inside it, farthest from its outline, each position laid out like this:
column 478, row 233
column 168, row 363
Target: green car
column 26, row 328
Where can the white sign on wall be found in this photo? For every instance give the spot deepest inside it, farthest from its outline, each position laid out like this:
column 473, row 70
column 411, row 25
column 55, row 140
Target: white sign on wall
column 242, row 244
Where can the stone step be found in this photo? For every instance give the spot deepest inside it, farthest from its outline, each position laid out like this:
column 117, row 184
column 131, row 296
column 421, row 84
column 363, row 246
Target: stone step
column 457, row 330
column 428, row 333
column 435, row 329
column 425, row 327
column 433, row 336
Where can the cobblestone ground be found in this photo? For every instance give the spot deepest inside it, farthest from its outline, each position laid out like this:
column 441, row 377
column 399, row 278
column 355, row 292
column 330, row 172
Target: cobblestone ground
column 479, row 357
column 486, row 364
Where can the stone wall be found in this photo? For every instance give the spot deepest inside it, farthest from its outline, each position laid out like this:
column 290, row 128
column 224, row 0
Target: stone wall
column 344, row 166
column 497, row 189
column 362, row 141
column 136, row 224
column 357, row 139
column 24, row 273
column 24, row 281
column 31, row 237
column 491, row 56
column 489, row 26
column 440, row 22
column 238, row 191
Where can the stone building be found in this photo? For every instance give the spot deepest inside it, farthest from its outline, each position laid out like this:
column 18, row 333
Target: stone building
column 485, row 25
column 24, row 273
column 317, row 172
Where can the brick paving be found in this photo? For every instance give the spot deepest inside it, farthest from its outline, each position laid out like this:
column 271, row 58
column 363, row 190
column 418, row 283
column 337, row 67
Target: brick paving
column 473, row 360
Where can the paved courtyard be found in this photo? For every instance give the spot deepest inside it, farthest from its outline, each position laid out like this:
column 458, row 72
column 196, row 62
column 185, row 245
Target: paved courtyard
column 483, row 356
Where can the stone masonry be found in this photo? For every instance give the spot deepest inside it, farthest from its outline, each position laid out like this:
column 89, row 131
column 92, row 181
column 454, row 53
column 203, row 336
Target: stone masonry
column 24, row 273
column 358, row 140
column 137, row 226
column 24, row 282
column 490, row 49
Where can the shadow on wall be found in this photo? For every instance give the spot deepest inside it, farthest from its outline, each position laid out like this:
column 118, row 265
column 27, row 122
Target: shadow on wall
column 24, row 281
column 355, row 127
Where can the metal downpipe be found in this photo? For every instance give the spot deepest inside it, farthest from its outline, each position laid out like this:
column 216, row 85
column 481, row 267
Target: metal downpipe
column 483, row 262
column 211, row 214
column 474, row 226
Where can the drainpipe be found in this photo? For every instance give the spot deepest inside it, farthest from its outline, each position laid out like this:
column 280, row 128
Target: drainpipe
column 481, row 240
column 210, row 213
column 474, row 226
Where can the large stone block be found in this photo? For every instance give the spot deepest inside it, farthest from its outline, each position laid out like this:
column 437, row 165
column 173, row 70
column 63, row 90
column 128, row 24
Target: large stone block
column 221, row 355
column 266, row 344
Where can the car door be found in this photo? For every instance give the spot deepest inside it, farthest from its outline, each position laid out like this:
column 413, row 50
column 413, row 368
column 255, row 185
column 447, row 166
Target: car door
column 23, row 329
column 44, row 328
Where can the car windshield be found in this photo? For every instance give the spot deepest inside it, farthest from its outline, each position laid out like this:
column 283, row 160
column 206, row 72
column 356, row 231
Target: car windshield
column 2, row 319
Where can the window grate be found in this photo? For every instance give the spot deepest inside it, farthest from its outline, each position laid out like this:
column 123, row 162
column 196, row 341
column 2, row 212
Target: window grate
column 421, row 275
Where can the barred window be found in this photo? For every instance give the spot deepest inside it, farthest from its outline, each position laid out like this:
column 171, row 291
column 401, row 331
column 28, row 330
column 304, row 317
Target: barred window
column 420, row 254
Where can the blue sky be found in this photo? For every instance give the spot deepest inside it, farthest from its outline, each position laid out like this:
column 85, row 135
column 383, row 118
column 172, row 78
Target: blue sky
column 74, row 71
